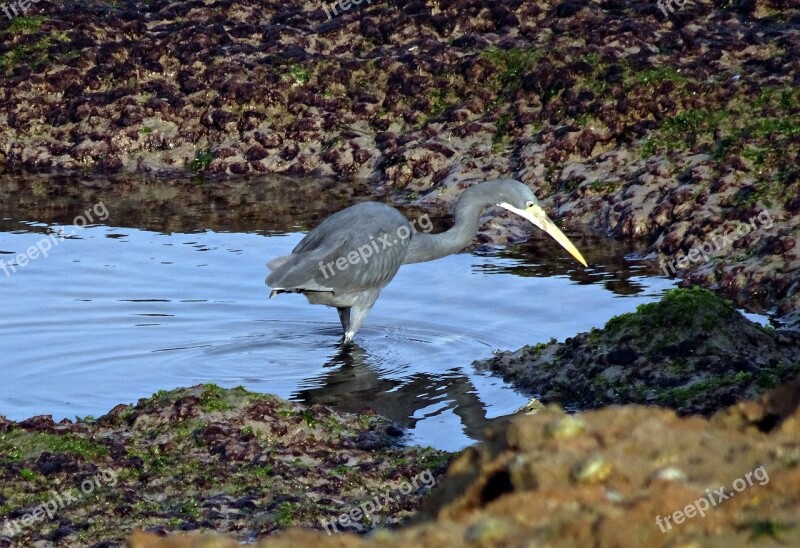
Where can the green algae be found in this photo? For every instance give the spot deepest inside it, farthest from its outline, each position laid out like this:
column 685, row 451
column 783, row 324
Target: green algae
column 680, row 396
column 27, row 474
column 286, row 514
column 680, row 309
column 34, row 53
column 512, row 64
column 761, row 131
column 19, row 445
column 207, row 458
column 297, row 74
column 201, row 161
column 26, row 24
column 538, row 348
column 214, row 398
column 656, row 75
column 767, row 528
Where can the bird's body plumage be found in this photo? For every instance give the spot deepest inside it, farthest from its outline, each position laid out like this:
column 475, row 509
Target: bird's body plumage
column 344, row 232
column 312, row 268
column 346, row 260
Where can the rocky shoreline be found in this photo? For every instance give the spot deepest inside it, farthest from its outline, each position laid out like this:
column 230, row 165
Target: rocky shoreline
column 206, row 458
column 252, row 466
column 691, row 352
column 247, row 466
column 678, row 133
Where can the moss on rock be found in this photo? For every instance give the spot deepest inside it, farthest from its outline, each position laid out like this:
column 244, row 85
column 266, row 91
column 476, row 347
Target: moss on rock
column 204, row 458
column 692, row 351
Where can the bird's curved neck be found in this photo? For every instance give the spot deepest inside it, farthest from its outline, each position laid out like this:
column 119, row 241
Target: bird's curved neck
column 428, row 247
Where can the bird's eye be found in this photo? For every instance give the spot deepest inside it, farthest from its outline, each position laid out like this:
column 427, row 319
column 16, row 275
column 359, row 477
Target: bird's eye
column 529, row 203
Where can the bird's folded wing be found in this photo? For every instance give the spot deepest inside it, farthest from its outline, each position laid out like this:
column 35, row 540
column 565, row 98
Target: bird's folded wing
column 303, row 270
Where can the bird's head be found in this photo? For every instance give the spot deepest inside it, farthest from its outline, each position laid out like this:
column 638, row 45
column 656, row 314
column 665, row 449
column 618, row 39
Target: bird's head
column 519, row 199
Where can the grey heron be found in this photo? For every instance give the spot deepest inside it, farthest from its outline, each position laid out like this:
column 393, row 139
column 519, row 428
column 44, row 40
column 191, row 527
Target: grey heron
column 348, row 258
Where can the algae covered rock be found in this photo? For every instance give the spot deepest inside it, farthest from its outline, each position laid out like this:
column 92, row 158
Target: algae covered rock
column 204, row 459
column 629, row 477
column 692, row 351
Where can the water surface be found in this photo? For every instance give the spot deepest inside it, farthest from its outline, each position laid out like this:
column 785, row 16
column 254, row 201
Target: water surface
column 165, row 293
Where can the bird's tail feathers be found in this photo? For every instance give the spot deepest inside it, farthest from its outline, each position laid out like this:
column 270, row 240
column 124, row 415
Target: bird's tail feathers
column 297, row 271
column 277, row 262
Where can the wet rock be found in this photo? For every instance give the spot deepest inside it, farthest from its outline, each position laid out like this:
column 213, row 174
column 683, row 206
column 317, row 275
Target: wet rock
column 692, row 351
column 206, row 458
column 49, row 464
column 42, row 423
column 635, row 476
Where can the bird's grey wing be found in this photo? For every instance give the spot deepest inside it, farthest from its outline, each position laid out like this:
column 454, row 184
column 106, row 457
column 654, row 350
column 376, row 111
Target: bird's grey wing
column 367, row 264
column 302, row 270
column 366, row 233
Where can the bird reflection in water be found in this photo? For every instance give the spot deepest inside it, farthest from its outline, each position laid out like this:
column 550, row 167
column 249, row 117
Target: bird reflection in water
column 353, row 383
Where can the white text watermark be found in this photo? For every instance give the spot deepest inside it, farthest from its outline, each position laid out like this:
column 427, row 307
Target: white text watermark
column 365, row 509
column 702, row 252
column 664, row 4
column 344, row 5
column 384, row 241
column 58, row 502
column 43, row 246
column 713, row 497
column 23, row 5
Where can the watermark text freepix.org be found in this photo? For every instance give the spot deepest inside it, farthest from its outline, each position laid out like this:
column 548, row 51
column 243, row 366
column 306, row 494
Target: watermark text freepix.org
column 365, row 509
column 702, row 252
column 43, row 246
column 344, row 5
column 59, row 501
column 383, row 241
column 664, row 4
column 23, row 5
column 714, row 497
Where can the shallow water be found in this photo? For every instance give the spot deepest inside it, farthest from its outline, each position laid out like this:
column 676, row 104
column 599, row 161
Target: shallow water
column 115, row 313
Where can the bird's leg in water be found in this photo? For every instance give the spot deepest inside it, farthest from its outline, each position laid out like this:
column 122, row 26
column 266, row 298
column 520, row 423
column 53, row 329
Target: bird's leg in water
column 344, row 317
column 359, row 315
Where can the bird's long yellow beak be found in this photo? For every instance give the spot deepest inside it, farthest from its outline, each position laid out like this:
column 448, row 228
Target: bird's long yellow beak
column 538, row 217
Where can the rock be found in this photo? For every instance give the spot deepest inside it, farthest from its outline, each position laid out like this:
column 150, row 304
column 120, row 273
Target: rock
column 204, row 458
column 635, row 476
column 691, row 351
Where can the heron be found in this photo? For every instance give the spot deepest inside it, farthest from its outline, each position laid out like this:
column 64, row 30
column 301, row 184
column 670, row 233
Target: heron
column 352, row 255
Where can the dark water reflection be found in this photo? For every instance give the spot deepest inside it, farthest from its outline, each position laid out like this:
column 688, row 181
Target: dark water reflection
column 169, row 292
column 274, row 204
column 351, row 380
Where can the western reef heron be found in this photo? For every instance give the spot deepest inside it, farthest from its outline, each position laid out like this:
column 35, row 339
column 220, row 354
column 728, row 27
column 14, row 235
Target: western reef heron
column 353, row 254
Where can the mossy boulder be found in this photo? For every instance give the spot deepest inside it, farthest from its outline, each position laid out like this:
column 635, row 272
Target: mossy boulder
column 691, row 351
column 200, row 459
